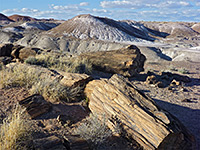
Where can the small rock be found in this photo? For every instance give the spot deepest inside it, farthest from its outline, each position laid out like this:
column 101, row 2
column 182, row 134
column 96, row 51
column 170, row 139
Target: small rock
column 151, row 79
column 175, row 82
column 183, row 90
column 49, row 143
column 35, row 105
column 75, row 142
column 64, row 120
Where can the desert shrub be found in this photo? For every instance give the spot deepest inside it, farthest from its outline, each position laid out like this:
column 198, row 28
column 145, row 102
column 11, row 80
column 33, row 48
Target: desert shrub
column 183, row 71
column 94, row 130
column 37, row 82
column 54, row 91
column 72, row 65
column 79, row 66
column 19, row 75
column 15, row 131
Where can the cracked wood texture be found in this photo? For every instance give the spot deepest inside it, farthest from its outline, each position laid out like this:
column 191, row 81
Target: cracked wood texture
column 140, row 117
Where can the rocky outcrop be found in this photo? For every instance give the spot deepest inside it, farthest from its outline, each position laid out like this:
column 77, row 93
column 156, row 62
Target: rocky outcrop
column 6, row 49
column 137, row 114
column 21, row 52
column 126, row 61
column 35, row 105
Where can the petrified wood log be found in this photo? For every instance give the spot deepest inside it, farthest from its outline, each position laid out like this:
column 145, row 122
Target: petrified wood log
column 126, row 61
column 140, row 117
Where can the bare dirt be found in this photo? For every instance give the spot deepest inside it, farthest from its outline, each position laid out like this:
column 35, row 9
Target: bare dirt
column 183, row 101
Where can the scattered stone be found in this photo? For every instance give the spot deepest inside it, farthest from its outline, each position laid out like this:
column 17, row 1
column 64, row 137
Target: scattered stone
column 175, row 83
column 35, row 105
column 139, row 116
column 183, row 90
column 75, row 142
column 49, row 143
column 126, row 61
column 65, row 120
column 151, row 79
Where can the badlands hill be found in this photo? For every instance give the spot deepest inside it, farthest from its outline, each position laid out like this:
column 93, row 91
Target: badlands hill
column 83, row 33
column 4, row 18
column 21, row 18
column 88, row 26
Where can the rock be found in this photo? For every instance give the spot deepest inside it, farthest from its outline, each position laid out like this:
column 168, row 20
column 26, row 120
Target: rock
column 151, row 79
column 76, row 143
column 49, row 143
column 138, row 115
column 22, row 52
column 174, row 83
column 35, row 105
column 6, row 49
column 26, row 52
column 65, row 120
column 5, row 60
column 74, row 79
column 126, row 61
column 15, row 50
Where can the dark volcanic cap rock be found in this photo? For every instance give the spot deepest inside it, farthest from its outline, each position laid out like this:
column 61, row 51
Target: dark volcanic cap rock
column 126, row 61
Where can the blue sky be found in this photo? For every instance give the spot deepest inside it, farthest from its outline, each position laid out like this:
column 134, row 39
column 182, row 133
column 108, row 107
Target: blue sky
column 147, row 10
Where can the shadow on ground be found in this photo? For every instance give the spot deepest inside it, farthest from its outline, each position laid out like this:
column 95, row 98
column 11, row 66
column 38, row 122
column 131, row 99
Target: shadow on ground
column 189, row 117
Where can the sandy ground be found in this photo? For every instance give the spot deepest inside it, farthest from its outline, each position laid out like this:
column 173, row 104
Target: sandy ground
column 187, row 112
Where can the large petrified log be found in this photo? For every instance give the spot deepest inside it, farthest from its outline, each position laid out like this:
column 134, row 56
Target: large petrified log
column 126, row 61
column 139, row 116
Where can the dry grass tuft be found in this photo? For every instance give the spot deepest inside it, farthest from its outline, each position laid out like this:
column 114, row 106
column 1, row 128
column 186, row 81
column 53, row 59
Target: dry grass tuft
column 15, row 132
column 73, row 65
column 19, row 75
column 37, row 82
column 54, row 91
column 94, row 130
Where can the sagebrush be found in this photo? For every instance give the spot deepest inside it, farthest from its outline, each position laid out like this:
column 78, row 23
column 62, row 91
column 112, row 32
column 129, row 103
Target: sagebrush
column 94, row 130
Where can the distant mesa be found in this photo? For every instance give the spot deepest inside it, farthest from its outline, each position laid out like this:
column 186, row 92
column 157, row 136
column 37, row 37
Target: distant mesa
column 18, row 18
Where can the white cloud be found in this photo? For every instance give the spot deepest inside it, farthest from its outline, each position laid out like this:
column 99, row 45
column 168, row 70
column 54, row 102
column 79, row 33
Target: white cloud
column 119, row 4
column 197, row 3
column 84, row 4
